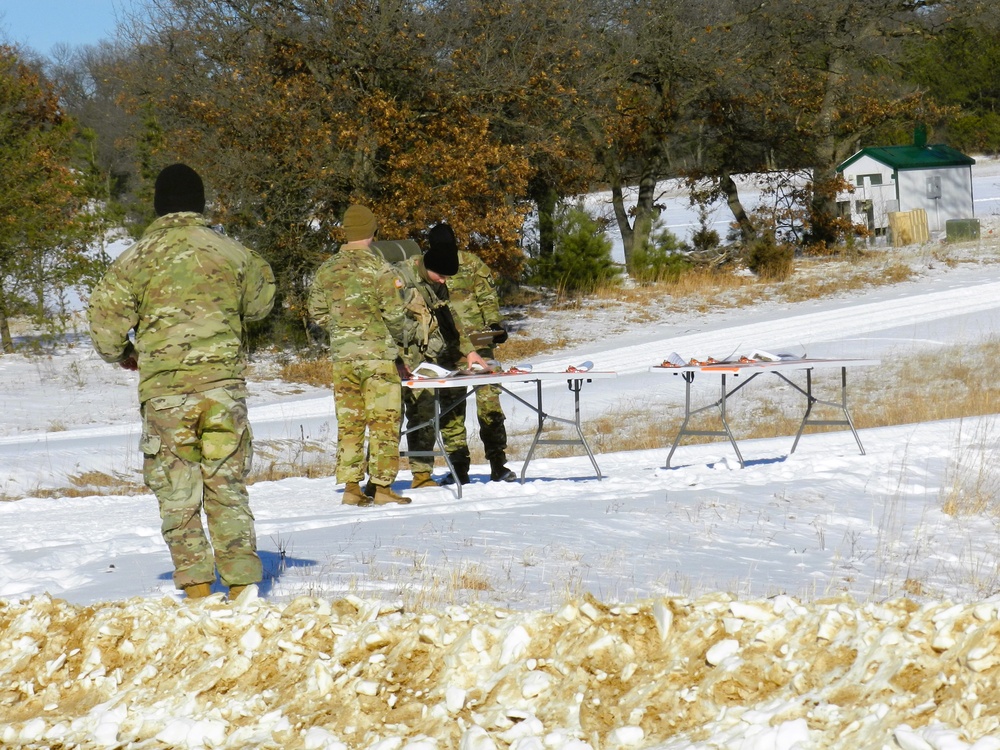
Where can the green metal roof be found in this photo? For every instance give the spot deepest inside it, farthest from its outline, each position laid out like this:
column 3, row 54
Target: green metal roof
column 913, row 157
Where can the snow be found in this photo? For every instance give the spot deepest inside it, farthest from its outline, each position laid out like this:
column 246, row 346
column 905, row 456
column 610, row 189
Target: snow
column 819, row 599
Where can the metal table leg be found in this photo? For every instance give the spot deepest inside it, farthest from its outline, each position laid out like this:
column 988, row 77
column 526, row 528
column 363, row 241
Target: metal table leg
column 574, row 385
column 812, row 401
column 726, row 432
column 438, row 439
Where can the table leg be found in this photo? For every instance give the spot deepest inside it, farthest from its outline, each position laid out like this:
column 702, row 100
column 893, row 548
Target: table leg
column 438, row 439
column 574, row 385
column 689, row 412
column 812, row 401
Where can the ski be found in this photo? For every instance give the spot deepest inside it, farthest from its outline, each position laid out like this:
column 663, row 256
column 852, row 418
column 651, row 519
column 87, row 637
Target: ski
column 582, row 367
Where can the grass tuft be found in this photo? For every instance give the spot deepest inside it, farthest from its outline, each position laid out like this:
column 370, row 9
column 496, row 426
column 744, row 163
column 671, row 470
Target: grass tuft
column 315, row 372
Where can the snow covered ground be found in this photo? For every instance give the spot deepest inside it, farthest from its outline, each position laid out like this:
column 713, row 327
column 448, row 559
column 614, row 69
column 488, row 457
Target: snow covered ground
column 820, row 599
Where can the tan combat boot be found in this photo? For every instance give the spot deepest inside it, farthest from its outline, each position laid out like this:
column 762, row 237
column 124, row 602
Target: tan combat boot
column 385, row 495
column 354, row 496
column 235, row 591
column 422, row 479
column 198, row 590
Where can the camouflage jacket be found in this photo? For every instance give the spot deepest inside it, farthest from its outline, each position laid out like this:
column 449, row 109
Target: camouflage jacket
column 473, row 295
column 356, row 297
column 425, row 340
column 185, row 290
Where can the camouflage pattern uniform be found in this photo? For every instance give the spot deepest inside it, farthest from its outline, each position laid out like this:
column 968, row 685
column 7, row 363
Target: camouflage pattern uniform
column 186, row 292
column 476, row 306
column 426, row 342
column 356, row 297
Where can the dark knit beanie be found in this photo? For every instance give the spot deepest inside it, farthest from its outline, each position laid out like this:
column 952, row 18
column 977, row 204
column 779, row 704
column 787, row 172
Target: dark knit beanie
column 178, row 188
column 442, row 250
column 359, row 223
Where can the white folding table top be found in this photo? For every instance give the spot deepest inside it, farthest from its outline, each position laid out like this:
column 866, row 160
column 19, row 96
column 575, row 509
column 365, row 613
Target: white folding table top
column 504, row 378
column 737, row 368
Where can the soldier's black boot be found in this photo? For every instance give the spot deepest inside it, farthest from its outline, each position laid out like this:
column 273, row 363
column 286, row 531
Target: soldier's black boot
column 499, row 471
column 460, row 462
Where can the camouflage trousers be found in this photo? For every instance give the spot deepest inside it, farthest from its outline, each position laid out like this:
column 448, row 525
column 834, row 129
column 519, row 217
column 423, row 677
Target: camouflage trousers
column 367, row 395
column 420, row 409
column 197, row 450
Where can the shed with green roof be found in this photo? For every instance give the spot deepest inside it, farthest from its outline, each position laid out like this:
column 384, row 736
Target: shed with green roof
column 936, row 178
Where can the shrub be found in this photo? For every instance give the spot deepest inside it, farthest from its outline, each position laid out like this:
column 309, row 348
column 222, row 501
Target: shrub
column 769, row 259
column 705, row 240
column 661, row 258
column 581, row 259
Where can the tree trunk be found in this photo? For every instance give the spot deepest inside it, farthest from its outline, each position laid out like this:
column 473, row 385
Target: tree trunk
column 729, row 187
column 545, row 198
column 823, row 204
column 6, row 342
column 645, row 212
column 635, row 233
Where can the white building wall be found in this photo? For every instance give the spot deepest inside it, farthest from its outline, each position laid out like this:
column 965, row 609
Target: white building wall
column 874, row 193
column 943, row 193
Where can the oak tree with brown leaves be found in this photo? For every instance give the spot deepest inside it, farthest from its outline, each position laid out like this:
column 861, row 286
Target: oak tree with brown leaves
column 41, row 197
column 293, row 111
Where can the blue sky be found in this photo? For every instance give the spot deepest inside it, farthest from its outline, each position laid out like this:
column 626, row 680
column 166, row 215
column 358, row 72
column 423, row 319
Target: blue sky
column 41, row 24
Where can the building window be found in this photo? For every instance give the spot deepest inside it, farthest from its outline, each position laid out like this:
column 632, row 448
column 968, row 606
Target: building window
column 873, row 179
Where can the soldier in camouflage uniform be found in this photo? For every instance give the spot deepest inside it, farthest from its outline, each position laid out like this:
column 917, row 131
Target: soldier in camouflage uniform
column 356, row 297
column 439, row 339
column 477, row 309
column 185, row 292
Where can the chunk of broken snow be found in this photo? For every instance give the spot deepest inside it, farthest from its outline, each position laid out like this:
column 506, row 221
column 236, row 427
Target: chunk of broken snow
column 513, row 645
column 626, row 736
column 907, row 739
column 318, row 738
column 535, row 683
column 367, row 687
column 664, row 618
column 193, row 733
column 749, row 611
column 529, row 727
column 476, row 738
column 721, row 651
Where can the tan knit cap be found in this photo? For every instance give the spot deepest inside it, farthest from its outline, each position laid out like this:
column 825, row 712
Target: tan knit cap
column 359, row 223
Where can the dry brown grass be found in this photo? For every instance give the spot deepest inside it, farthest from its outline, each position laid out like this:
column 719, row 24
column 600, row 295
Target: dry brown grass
column 314, row 372
column 702, row 290
column 947, row 383
column 471, row 577
column 275, row 470
column 91, row 483
column 845, row 278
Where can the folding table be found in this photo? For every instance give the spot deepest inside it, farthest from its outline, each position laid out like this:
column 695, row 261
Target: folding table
column 574, row 382
column 749, row 370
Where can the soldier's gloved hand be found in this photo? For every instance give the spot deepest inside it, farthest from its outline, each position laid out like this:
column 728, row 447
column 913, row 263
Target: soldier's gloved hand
column 403, row 370
column 131, row 359
column 503, row 333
